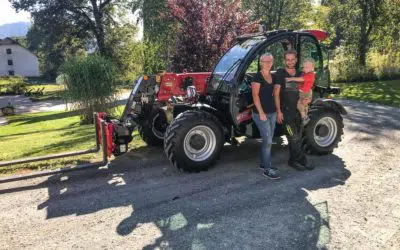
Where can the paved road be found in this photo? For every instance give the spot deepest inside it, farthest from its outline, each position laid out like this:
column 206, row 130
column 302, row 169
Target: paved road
column 23, row 104
column 351, row 200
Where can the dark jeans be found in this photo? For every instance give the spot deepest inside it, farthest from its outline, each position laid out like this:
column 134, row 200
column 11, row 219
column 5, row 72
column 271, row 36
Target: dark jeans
column 294, row 130
column 266, row 129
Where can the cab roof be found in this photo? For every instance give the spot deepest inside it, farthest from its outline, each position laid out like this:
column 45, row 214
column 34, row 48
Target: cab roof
column 320, row 35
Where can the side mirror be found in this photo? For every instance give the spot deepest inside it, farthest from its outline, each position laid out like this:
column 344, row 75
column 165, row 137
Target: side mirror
column 191, row 92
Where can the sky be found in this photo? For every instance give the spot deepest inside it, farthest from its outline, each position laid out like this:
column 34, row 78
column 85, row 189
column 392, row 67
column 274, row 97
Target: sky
column 9, row 15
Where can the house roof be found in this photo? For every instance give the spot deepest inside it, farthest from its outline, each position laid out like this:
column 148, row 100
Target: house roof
column 9, row 41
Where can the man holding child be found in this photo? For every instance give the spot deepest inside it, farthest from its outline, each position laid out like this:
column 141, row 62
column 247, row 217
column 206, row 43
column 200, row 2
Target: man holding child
column 286, row 95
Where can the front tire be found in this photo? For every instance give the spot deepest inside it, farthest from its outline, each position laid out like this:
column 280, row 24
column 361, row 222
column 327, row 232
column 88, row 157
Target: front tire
column 323, row 132
column 152, row 128
column 193, row 141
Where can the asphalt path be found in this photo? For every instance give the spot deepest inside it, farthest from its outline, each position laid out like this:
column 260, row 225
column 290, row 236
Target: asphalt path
column 351, row 200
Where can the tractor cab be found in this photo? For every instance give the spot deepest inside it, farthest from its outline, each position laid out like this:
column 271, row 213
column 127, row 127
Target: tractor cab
column 233, row 74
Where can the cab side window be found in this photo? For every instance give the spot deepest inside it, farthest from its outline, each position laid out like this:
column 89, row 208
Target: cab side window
column 254, row 66
column 277, row 49
column 309, row 49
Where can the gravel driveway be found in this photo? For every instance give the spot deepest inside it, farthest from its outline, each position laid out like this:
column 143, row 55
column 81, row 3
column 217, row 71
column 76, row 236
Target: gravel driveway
column 350, row 201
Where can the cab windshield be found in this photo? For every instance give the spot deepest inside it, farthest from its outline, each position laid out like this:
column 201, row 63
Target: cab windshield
column 229, row 63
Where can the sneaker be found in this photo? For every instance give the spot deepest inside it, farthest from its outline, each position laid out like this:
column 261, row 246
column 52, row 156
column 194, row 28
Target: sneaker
column 271, row 173
column 263, row 168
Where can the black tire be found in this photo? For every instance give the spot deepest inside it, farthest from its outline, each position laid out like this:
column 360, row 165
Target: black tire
column 323, row 122
column 150, row 130
column 183, row 129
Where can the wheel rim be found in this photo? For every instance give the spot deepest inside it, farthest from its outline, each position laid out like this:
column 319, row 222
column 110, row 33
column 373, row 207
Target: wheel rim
column 199, row 143
column 159, row 126
column 325, row 131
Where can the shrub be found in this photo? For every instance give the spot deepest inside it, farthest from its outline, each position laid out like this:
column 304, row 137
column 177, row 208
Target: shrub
column 345, row 66
column 16, row 86
column 8, row 110
column 90, row 85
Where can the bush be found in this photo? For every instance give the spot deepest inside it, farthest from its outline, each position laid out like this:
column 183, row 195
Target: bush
column 345, row 66
column 16, row 85
column 90, row 85
column 8, row 110
column 385, row 66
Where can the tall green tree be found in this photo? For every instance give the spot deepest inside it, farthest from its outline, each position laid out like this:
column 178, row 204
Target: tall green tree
column 386, row 37
column 158, row 33
column 53, row 48
column 356, row 20
column 84, row 15
column 127, row 52
column 279, row 14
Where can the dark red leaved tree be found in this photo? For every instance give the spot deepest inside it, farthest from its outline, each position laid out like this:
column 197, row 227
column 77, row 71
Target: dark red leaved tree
column 206, row 29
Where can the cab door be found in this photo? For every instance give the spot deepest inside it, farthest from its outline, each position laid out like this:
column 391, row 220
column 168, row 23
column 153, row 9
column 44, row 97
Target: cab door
column 309, row 47
column 242, row 98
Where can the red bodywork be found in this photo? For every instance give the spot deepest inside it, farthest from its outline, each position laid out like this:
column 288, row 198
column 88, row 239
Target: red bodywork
column 319, row 34
column 171, row 84
column 109, row 130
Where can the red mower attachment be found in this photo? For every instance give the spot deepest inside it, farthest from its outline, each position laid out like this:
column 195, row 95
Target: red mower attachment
column 117, row 135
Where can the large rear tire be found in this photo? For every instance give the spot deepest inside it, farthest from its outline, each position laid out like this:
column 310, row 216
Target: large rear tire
column 153, row 127
column 323, row 132
column 193, row 141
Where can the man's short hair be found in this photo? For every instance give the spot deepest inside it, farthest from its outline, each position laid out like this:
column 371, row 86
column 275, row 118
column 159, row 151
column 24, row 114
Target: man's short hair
column 290, row 52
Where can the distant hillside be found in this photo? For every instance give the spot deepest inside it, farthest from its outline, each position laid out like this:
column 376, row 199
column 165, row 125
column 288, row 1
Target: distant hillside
column 14, row 29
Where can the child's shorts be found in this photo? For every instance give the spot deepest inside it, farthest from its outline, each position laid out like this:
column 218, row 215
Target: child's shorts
column 303, row 108
column 304, row 95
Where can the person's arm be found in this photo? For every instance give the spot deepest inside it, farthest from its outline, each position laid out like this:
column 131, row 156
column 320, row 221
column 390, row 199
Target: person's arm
column 277, row 99
column 295, row 79
column 255, row 91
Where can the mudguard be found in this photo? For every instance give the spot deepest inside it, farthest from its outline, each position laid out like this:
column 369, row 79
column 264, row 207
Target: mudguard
column 330, row 104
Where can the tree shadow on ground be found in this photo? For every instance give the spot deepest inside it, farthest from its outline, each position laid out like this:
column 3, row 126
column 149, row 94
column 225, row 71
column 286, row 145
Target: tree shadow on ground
column 42, row 118
column 371, row 119
column 230, row 206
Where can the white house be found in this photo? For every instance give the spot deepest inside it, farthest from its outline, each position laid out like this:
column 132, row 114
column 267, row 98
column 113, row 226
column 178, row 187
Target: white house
column 17, row 60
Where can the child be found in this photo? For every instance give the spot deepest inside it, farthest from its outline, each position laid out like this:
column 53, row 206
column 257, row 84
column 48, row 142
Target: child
column 305, row 83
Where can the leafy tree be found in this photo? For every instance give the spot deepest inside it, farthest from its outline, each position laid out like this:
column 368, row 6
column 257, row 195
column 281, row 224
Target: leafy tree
column 158, row 33
column 386, row 37
column 127, row 53
column 53, row 48
column 206, row 29
column 279, row 14
column 92, row 16
column 356, row 20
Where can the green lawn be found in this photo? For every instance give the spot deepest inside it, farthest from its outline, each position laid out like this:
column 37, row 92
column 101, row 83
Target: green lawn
column 383, row 92
column 50, row 92
column 46, row 133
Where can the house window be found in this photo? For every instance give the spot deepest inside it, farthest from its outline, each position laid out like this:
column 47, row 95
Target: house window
column 11, row 72
column 9, row 52
column 10, row 62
